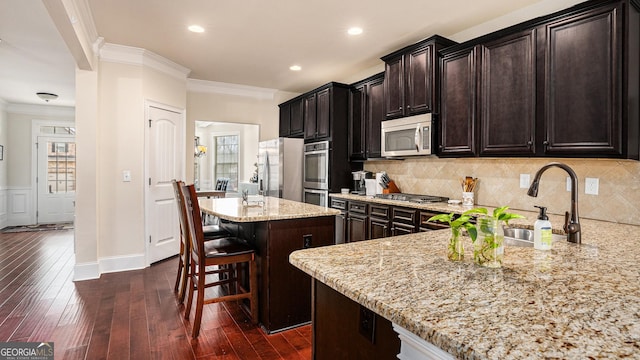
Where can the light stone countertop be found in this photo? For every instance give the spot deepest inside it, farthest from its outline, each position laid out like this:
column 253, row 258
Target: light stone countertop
column 573, row 302
column 270, row 209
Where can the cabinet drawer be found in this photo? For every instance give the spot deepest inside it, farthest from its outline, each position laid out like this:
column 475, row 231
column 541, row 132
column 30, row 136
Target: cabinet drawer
column 425, row 225
column 358, row 208
column 379, row 211
column 338, row 204
column 403, row 215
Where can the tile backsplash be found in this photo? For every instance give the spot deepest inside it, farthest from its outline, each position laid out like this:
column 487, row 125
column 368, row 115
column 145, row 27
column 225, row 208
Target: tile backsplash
column 618, row 198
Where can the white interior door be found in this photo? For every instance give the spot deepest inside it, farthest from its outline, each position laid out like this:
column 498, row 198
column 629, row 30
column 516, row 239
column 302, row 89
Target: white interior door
column 56, row 179
column 165, row 158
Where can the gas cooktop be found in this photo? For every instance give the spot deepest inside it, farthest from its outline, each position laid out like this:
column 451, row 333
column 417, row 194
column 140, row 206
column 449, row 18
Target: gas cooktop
column 414, row 198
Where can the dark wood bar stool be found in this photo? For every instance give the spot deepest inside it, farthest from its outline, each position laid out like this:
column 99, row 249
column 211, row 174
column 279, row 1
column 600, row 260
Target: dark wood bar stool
column 229, row 254
column 210, row 232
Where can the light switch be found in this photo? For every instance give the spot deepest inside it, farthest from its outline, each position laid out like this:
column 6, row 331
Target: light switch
column 126, row 176
column 524, row 181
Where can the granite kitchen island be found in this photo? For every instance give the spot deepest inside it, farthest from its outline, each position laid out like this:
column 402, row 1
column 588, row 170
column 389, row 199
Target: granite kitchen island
column 573, row 302
column 276, row 227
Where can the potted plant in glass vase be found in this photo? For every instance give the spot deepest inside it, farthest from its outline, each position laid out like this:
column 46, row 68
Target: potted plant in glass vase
column 488, row 247
column 455, row 249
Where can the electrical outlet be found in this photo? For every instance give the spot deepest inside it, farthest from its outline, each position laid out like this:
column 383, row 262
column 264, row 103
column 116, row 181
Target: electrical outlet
column 306, row 241
column 524, row 181
column 568, row 183
column 591, row 186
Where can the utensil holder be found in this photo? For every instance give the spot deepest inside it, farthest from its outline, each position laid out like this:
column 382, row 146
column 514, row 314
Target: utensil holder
column 468, row 198
column 393, row 188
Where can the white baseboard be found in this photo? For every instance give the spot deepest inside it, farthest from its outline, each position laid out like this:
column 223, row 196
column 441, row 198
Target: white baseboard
column 86, row 271
column 93, row 270
column 122, row 263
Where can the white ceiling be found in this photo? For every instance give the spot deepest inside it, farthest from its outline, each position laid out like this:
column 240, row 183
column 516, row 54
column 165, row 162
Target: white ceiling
column 250, row 42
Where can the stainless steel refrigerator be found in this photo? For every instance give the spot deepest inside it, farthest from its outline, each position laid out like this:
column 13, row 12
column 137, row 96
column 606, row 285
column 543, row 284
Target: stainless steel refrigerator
column 280, row 164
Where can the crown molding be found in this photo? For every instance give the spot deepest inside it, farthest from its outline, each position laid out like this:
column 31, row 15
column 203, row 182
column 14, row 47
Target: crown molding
column 137, row 56
column 42, row 110
column 214, row 87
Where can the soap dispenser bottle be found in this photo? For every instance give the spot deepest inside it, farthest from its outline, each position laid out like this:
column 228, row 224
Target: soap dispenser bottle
column 542, row 231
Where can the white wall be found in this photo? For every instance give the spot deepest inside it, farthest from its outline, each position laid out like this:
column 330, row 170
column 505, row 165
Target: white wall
column 113, row 115
column 244, row 109
column 3, row 165
column 249, row 136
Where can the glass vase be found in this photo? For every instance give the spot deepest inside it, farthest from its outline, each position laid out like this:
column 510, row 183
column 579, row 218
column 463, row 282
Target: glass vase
column 488, row 249
column 455, row 250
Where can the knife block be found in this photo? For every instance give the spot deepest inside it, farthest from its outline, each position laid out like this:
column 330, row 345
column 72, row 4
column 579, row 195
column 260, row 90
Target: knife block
column 392, row 188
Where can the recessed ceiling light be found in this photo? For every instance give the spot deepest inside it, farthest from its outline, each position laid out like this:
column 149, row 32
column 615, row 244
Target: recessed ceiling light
column 196, row 29
column 295, row 68
column 354, row 31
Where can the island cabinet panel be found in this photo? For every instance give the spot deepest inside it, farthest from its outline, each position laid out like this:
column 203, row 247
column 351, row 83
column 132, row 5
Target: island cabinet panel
column 343, row 329
column 284, row 290
column 507, row 105
column 583, row 86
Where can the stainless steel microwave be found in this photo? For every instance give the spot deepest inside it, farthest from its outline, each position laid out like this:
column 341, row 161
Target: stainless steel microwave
column 407, row 136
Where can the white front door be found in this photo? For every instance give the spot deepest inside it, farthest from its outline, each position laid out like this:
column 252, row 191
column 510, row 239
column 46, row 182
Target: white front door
column 165, row 159
column 56, row 179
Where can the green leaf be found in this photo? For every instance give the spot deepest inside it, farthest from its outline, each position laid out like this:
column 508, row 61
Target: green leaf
column 471, row 229
column 476, row 211
column 441, row 218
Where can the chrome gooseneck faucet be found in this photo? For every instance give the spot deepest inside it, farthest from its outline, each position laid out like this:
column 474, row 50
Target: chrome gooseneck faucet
column 571, row 222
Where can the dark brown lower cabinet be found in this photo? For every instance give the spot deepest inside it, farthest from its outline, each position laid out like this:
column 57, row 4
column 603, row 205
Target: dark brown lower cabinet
column 344, row 329
column 284, row 292
column 356, row 227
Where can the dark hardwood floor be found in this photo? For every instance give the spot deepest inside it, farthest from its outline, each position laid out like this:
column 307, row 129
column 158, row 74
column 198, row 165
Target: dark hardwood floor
column 126, row 315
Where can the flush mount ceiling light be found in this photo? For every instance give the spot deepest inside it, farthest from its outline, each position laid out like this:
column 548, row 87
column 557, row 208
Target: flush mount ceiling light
column 196, row 28
column 354, row 31
column 295, row 68
column 47, row 96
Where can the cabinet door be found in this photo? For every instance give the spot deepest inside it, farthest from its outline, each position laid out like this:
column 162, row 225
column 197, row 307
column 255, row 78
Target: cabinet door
column 583, row 82
column 310, row 116
column 419, row 89
column 507, row 102
column 375, row 115
column 402, row 229
column 378, row 228
column 394, row 87
column 357, row 117
column 356, row 228
column 323, row 113
column 341, row 228
column 296, row 124
column 458, row 114
column 285, row 120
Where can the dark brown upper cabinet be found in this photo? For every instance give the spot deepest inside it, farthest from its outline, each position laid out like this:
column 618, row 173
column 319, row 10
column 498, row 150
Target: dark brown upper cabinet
column 411, row 78
column 365, row 118
column 291, row 118
column 584, row 83
column 326, row 111
column 458, row 111
column 507, row 96
column 563, row 85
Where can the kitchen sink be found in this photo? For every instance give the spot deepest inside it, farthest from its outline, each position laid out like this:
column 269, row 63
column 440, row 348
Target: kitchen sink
column 523, row 237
